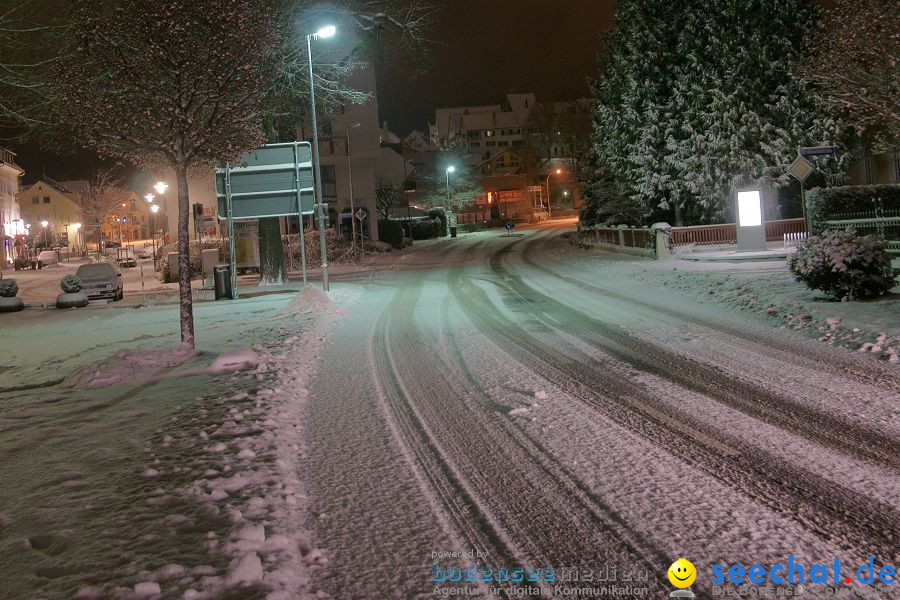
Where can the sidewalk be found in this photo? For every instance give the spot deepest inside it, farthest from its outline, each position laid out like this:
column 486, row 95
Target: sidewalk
column 730, row 253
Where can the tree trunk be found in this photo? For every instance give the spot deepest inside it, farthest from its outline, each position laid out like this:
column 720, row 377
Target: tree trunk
column 184, row 259
column 272, row 270
column 679, row 218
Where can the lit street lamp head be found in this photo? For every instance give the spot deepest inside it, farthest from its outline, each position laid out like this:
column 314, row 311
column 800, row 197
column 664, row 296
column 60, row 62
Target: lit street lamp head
column 44, row 223
column 155, row 208
column 161, row 187
column 150, row 197
column 326, row 32
column 451, row 169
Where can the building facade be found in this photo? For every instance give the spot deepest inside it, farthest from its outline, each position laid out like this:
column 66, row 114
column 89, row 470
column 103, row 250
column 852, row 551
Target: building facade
column 47, row 208
column 12, row 228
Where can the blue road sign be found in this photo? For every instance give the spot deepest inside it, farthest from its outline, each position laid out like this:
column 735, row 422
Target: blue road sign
column 817, row 151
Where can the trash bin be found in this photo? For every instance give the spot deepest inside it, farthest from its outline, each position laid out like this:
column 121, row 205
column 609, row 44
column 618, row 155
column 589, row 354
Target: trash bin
column 222, row 281
column 453, row 232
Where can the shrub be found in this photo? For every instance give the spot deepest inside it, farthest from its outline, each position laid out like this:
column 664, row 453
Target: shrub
column 391, row 232
column 842, row 264
column 70, row 284
column 440, row 228
column 823, row 204
column 422, row 230
column 8, row 288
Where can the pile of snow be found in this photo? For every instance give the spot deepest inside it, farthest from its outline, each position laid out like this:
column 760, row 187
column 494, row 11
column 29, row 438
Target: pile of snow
column 129, row 365
column 237, row 360
column 311, row 301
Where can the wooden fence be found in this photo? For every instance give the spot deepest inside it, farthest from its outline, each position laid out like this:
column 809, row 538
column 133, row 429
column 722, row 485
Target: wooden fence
column 726, row 233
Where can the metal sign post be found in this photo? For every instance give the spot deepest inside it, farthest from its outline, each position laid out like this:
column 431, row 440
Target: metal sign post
column 273, row 181
column 231, row 245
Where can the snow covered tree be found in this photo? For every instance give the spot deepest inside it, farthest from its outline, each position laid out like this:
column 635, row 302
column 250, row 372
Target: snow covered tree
column 696, row 99
column 161, row 82
column 854, row 66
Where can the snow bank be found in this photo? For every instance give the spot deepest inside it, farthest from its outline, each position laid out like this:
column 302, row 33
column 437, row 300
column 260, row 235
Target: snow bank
column 230, row 362
column 311, row 301
column 129, row 365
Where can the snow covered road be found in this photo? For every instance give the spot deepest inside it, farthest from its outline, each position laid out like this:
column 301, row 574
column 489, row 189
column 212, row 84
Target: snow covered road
column 542, row 415
column 501, row 400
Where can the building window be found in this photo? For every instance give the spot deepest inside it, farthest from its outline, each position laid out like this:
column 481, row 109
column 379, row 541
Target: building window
column 491, row 143
column 46, row 199
column 133, row 206
column 35, row 200
column 868, row 169
column 489, row 133
column 897, row 166
column 475, row 144
column 329, row 185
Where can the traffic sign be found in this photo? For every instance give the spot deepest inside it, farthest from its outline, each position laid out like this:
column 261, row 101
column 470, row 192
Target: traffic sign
column 264, row 183
column 817, row 151
column 801, row 168
column 361, row 214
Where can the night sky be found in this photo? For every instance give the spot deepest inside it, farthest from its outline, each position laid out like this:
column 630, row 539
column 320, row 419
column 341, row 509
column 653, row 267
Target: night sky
column 486, row 48
column 483, row 49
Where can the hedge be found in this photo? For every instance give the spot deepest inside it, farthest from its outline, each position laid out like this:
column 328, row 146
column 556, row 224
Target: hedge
column 822, row 204
column 391, row 232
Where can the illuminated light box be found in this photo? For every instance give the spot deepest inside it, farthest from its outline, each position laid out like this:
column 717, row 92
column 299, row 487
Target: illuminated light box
column 751, row 227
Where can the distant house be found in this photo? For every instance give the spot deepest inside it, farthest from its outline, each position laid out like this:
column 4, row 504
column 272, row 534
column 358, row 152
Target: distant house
column 11, row 223
column 49, row 205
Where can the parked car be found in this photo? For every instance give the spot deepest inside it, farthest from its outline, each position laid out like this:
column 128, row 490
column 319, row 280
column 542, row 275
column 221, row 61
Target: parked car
column 47, row 257
column 112, row 245
column 100, row 280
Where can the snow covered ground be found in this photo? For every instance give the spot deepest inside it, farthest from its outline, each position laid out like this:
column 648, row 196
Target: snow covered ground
column 509, row 396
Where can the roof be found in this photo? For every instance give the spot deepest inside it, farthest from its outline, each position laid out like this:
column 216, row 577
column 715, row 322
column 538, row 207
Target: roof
column 8, row 158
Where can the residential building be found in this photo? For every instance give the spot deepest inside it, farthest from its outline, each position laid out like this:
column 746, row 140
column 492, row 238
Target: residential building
column 49, row 205
column 874, row 168
column 11, row 224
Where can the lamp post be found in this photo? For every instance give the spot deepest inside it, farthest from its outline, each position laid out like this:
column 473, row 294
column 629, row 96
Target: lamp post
column 558, row 171
column 350, row 176
column 153, row 210
column 324, row 32
column 450, row 169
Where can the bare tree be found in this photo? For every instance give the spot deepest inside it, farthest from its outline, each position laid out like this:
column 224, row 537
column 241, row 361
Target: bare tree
column 854, row 66
column 193, row 92
column 101, row 198
column 387, row 195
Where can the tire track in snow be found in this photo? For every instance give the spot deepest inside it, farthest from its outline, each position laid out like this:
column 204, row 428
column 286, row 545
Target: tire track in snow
column 830, row 511
column 520, row 497
column 805, row 355
column 755, row 401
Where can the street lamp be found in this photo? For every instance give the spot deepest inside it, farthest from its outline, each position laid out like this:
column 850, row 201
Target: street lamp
column 350, row 174
column 324, row 32
column 150, row 198
column 161, row 187
column 153, row 210
column 558, row 171
column 450, row 169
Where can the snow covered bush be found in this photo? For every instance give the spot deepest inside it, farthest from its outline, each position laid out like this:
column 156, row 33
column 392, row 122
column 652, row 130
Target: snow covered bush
column 8, row 288
column 844, row 265
column 849, row 202
column 391, row 232
column 70, row 284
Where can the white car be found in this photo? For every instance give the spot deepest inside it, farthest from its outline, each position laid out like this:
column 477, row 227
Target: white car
column 47, row 257
column 100, row 280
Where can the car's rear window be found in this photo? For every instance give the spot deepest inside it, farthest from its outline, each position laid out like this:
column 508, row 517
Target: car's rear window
column 95, row 271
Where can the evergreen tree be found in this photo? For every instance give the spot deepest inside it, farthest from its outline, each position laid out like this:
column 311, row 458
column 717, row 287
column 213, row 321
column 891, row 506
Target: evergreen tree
column 698, row 98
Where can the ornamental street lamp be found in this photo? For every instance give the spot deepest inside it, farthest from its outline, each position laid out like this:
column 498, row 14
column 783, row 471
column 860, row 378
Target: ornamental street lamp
column 153, row 210
column 324, row 32
column 558, row 171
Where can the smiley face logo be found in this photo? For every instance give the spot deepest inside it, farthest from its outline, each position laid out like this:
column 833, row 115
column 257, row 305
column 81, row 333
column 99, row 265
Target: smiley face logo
column 682, row 573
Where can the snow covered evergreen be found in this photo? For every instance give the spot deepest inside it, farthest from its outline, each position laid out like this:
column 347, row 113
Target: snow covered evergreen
column 695, row 99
